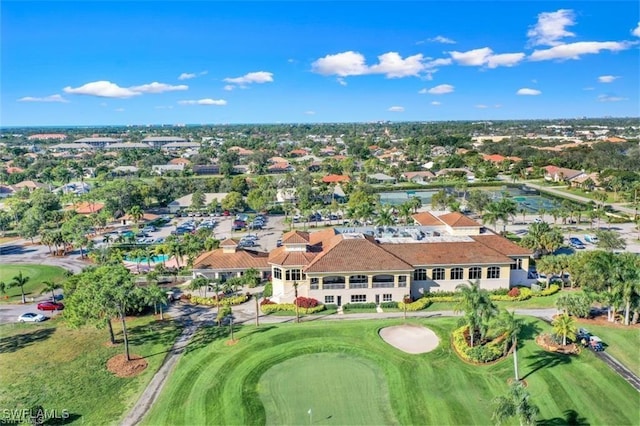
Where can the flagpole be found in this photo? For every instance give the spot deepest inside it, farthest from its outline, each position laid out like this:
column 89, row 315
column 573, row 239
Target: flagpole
column 310, row 416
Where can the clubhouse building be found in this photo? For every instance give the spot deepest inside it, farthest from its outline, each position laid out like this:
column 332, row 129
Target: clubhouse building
column 357, row 265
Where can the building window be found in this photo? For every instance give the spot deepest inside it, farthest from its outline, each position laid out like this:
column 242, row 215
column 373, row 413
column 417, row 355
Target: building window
column 328, row 299
column 358, row 298
column 277, row 273
column 493, row 272
column 517, row 264
column 402, row 281
column 294, row 275
column 438, row 274
column 420, row 275
column 358, row 279
column 475, row 273
column 457, row 273
column 386, row 298
column 315, row 283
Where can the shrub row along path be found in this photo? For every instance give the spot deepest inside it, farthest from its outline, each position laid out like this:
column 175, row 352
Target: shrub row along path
column 195, row 317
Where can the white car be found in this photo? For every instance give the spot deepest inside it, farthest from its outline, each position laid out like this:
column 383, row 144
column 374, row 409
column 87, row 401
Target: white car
column 31, row 317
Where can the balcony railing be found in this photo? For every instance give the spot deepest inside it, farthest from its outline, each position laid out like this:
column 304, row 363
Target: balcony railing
column 383, row 284
column 314, row 286
column 333, row 286
column 358, row 285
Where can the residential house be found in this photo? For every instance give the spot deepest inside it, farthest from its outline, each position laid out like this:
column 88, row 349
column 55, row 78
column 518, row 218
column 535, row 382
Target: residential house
column 335, row 179
column 422, row 177
column 381, row 178
column 561, row 174
column 159, row 141
column 165, row 168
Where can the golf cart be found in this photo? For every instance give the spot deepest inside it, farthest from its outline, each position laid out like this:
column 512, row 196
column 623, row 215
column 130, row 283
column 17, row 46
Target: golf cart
column 595, row 343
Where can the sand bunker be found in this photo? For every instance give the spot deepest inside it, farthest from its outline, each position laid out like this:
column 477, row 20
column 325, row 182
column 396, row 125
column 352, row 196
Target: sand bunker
column 412, row 339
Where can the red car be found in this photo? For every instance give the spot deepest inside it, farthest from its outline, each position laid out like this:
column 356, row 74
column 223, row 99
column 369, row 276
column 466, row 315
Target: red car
column 50, row 306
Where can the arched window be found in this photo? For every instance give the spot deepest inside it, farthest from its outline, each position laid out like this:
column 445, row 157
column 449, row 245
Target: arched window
column 493, row 272
column 475, row 273
column 420, row 275
column 438, row 274
column 457, row 273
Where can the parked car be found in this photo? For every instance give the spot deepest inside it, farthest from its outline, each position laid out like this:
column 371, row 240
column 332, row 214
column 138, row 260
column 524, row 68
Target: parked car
column 279, row 242
column 591, row 239
column 50, row 306
column 576, row 243
column 31, row 317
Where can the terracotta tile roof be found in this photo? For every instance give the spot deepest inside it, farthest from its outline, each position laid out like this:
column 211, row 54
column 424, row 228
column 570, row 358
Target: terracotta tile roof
column 87, row 208
column 502, row 245
column 295, row 237
column 356, row 254
column 335, row 178
column 229, row 243
column 320, row 237
column 179, row 161
column 280, row 256
column 494, row 158
column 241, row 259
column 447, row 253
column 456, row 219
column 13, row 169
column 426, row 219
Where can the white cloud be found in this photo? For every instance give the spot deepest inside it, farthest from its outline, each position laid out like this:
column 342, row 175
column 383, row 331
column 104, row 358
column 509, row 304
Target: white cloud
column 441, row 39
column 610, row 98
column 392, row 65
column 341, row 81
column 528, row 92
column 436, row 103
column 636, row 30
column 438, row 90
column 551, row 27
column 186, row 76
column 481, row 106
column 207, row 101
column 258, row 77
column 574, row 50
column 504, row 60
column 51, row 98
column 437, row 63
column 156, row 87
column 310, row 113
column 396, row 109
column 341, row 64
column 229, row 87
column 103, row 89
column 607, row 78
column 486, row 57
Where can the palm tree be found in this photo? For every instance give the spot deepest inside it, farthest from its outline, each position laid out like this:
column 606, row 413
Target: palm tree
column 20, row 281
column 198, row 283
column 477, row 307
column 136, row 213
column 385, row 216
column 415, row 203
column 565, row 326
column 516, row 403
column 50, row 286
column 512, row 326
column 405, row 211
column 157, row 297
column 251, row 277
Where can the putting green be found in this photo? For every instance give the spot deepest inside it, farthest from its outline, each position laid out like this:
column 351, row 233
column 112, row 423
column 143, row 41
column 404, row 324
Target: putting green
column 326, row 388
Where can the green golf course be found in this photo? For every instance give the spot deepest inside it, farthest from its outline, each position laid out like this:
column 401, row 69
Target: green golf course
column 36, row 273
column 346, row 374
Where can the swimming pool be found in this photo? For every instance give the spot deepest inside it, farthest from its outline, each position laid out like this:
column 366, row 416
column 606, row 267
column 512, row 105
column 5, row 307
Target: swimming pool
column 153, row 259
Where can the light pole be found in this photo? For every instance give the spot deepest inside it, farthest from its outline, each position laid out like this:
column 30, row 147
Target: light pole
column 295, row 301
column 257, row 296
column 404, row 303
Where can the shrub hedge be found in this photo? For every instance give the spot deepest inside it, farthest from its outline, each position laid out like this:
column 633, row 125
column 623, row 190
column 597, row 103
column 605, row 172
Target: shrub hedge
column 389, row 305
column 289, row 307
column 227, row 301
column 418, row 305
column 348, row 306
column 479, row 353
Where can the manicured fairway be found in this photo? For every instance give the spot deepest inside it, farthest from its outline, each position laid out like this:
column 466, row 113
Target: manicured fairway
column 36, row 273
column 325, row 388
column 623, row 343
column 216, row 383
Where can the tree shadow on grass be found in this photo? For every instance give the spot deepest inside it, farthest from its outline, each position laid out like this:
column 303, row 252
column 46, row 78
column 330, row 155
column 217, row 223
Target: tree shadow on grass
column 529, row 331
column 543, row 359
column 161, row 332
column 571, row 418
column 70, row 418
column 19, row 341
column 207, row 335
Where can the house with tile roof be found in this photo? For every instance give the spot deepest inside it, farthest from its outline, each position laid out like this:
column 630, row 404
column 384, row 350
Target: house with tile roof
column 335, row 178
column 230, row 260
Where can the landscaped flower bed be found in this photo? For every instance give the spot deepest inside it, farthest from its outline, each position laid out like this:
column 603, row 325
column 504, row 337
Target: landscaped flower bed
column 482, row 352
column 268, row 307
column 548, row 343
column 225, row 301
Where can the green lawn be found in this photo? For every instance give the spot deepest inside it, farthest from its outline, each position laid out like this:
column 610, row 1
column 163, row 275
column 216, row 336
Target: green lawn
column 50, row 365
column 217, row 383
column 36, row 273
column 532, row 303
column 288, row 391
column 621, row 342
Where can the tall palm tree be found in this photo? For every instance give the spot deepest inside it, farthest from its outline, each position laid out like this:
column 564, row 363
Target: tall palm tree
column 20, row 281
column 385, row 216
column 50, row 286
column 511, row 326
column 157, row 297
column 136, row 213
column 517, row 403
column 565, row 326
column 405, row 211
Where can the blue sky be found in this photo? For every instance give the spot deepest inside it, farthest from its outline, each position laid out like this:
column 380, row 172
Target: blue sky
column 206, row 62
